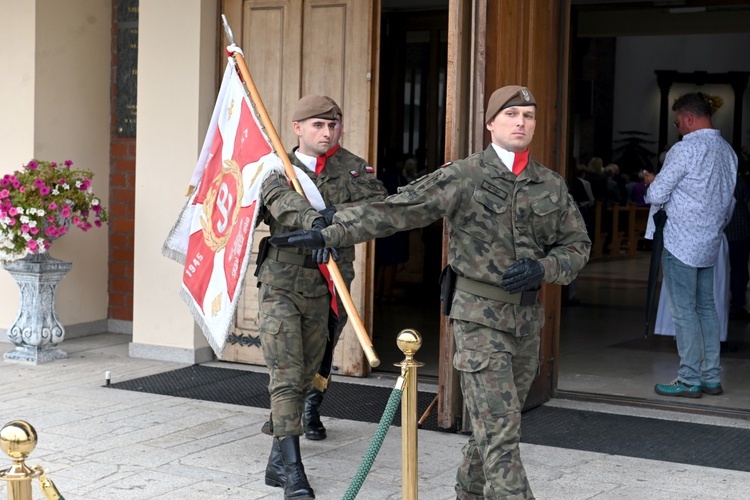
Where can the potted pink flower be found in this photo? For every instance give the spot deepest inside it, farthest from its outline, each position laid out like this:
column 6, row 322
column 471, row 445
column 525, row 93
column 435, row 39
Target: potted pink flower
column 39, row 202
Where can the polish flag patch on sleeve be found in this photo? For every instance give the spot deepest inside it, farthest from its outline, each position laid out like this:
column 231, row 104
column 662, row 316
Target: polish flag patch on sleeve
column 354, row 173
column 369, row 169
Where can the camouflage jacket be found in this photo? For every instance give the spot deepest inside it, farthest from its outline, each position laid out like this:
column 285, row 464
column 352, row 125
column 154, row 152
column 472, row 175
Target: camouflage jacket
column 493, row 219
column 346, row 181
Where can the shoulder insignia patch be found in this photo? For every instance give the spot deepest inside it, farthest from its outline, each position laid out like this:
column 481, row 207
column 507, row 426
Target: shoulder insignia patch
column 369, row 169
column 354, row 173
column 446, row 164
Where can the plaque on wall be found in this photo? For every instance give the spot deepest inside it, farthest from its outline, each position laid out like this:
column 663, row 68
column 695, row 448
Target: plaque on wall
column 127, row 68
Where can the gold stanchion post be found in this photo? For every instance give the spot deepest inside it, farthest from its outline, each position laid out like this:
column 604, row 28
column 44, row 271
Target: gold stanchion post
column 409, row 341
column 18, row 439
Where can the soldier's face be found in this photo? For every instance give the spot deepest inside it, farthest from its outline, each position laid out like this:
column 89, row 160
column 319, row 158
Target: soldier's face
column 315, row 135
column 337, row 131
column 513, row 128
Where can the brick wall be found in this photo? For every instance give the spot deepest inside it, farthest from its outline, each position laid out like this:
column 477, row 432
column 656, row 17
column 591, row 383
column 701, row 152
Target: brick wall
column 121, row 204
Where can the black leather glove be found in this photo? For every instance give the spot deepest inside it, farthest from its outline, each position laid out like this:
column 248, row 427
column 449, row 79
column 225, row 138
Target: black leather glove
column 300, row 239
column 321, row 255
column 328, row 213
column 320, row 223
column 525, row 274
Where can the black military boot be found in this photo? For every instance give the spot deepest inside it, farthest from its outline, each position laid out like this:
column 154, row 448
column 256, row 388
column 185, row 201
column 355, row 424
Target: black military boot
column 296, row 487
column 275, row 475
column 314, row 429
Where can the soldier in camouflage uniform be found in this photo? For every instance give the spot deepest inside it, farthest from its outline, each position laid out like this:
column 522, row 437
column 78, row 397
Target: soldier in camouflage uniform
column 345, row 180
column 512, row 226
column 294, row 295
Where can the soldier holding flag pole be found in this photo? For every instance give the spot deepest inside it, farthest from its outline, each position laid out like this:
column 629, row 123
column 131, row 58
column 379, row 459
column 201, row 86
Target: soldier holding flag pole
column 238, row 180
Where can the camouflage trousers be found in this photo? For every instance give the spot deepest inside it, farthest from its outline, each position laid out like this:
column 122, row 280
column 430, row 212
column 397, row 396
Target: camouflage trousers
column 293, row 332
column 497, row 370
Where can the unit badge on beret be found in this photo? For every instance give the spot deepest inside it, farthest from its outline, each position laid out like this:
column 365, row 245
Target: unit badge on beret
column 526, row 95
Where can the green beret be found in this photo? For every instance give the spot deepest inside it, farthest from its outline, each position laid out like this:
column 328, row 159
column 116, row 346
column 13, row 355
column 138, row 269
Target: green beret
column 505, row 97
column 315, row 106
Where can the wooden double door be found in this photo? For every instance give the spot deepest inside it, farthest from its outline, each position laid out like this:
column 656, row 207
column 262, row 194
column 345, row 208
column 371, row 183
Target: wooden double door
column 331, row 47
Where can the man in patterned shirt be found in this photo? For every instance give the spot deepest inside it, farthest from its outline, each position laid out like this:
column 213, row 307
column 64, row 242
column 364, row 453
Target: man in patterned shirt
column 695, row 186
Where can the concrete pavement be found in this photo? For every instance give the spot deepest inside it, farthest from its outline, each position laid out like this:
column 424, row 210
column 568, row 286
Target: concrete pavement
column 103, row 443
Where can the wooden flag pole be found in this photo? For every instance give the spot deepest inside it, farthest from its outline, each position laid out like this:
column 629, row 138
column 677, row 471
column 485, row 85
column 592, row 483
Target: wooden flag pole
column 338, row 280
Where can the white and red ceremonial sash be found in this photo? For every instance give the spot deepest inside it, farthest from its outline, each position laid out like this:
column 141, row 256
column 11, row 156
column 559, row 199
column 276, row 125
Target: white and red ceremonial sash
column 213, row 235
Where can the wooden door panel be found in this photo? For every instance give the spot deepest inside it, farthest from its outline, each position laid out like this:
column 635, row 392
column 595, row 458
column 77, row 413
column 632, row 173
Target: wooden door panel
column 523, row 49
column 294, row 48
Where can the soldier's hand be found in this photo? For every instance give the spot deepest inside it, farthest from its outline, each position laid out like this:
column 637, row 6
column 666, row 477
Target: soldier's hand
column 321, row 255
column 328, row 213
column 320, row 223
column 299, row 239
column 526, row 274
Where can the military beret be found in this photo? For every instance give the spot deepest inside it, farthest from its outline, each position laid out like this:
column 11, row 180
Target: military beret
column 336, row 107
column 505, row 97
column 315, row 106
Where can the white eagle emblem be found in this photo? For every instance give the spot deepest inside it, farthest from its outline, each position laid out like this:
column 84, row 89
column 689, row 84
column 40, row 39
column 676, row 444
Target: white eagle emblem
column 526, row 95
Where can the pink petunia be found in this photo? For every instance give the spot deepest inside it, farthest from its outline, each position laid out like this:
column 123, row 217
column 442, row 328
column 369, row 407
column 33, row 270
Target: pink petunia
column 52, row 206
column 33, row 165
column 5, row 181
column 65, row 212
column 32, row 245
column 34, row 230
column 16, row 183
column 22, row 189
column 4, row 193
column 24, row 228
column 51, row 231
column 98, row 223
column 13, row 211
column 38, row 183
column 62, row 230
column 44, row 190
column 68, row 163
column 53, row 164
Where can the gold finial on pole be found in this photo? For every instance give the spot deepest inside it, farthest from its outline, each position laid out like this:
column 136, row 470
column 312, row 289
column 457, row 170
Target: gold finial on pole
column 18, row 439
column 409, row 341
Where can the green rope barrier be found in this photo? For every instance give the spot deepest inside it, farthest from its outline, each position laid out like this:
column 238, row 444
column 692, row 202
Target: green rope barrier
column 375, row 444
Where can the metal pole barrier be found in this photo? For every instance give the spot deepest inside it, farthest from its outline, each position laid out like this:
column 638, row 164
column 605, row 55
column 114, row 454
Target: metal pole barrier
column 18, row 439
column 409, row 341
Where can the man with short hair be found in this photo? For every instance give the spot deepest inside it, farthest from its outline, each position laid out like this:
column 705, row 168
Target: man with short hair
column 512, row 226
column 294, row 295
column 695, row 186
column 345, row 180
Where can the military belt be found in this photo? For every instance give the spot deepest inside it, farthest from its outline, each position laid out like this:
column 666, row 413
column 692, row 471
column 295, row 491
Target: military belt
column 487, row 291
column 287, row 257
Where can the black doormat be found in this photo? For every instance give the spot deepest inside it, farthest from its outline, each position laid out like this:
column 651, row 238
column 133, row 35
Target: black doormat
column 665, row 440
column 363, row 403
column 640, row 437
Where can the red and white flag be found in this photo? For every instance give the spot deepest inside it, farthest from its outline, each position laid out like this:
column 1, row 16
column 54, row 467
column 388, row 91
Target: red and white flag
column 213, row 235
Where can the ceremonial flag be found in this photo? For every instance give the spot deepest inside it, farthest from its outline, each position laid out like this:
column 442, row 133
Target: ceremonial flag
column 213, row 236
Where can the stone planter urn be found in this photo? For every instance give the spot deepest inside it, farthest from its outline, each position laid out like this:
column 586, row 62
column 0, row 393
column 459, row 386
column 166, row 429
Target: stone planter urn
column 36, row 331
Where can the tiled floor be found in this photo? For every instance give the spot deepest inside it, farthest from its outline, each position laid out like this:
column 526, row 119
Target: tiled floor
column 612, row 312
column 602, row 346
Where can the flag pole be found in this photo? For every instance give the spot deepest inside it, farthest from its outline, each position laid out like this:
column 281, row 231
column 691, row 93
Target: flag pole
column 333, row 268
